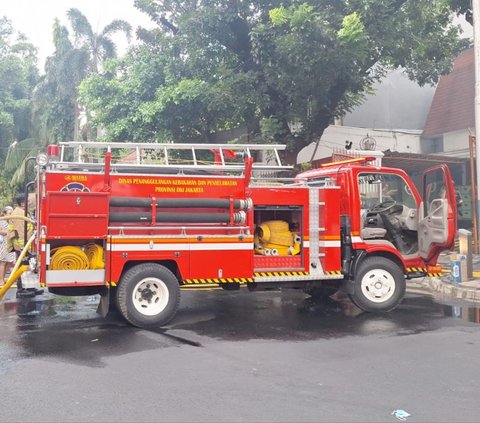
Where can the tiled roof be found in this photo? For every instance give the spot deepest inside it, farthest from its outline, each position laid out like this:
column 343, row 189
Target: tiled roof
column 453, row 106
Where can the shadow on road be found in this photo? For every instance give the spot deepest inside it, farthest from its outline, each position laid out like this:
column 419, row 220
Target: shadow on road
column 70, row 330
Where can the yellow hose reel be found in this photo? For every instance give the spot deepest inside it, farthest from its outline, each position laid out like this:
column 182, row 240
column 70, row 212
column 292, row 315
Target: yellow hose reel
column 75, row 258
column 273, row 238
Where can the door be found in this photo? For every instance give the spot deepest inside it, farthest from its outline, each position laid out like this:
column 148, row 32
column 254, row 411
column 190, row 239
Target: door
column 437, row 224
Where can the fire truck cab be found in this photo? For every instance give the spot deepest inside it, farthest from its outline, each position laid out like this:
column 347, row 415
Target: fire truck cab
column 389, row 226
column 135, row 223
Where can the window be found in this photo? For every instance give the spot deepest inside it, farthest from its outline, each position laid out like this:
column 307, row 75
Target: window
column 434, row 184
column 376, row 188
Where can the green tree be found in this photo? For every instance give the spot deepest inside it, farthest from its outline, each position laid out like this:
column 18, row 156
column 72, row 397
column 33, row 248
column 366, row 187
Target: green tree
column 154, row 94
column 55, row 106
column 56, row 96
column 282, row 69
column 98, row 46
column 18, row 76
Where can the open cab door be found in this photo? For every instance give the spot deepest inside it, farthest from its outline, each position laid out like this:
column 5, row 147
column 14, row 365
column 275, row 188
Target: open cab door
column 437, row 224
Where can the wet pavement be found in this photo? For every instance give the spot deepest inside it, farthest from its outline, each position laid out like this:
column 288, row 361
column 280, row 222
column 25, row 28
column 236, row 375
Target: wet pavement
column 240, row 356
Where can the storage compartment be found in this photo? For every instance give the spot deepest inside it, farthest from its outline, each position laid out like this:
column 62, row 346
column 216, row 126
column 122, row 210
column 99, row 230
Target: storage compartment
column 77, row 215
column 278, row 239
column 74, row 263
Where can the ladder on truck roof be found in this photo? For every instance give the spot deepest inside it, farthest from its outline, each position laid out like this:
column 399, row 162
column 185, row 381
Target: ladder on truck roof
column 201, row 157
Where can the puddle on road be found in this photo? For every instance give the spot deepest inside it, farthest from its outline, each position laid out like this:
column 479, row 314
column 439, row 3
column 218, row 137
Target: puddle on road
column 287, row 315
column 69, row 329
column 469, row 314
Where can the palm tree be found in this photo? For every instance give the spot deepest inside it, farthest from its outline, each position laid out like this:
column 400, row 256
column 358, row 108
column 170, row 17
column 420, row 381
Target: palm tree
column 55, row 108
column 99, row 45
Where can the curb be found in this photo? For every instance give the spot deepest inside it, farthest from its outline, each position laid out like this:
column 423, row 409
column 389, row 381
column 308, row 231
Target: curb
column 464, row 291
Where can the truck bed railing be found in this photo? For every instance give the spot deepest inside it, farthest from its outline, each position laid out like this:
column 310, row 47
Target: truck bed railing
column 293, row 182
column 130, row 156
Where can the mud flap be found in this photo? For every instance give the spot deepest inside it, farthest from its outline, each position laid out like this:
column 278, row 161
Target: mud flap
column 104, row 303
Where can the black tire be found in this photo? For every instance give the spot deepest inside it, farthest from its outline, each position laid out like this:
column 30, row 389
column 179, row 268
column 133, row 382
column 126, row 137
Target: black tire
column 379, row 285
column 148, row 295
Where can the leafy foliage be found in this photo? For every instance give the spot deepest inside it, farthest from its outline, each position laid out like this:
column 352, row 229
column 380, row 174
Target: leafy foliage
column 18, row 76
column 281, row 69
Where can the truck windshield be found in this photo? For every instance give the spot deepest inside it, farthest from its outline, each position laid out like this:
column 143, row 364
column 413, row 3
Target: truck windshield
column 376, row 188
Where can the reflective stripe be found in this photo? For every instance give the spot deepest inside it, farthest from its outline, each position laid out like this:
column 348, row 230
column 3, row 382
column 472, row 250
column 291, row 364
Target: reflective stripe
column 182, row 247
column 329, row 243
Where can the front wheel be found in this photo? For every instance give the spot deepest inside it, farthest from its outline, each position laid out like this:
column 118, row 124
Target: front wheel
column 379, row 285
column 148, row 295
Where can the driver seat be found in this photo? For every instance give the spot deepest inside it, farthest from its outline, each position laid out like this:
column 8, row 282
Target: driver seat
column 373, row 233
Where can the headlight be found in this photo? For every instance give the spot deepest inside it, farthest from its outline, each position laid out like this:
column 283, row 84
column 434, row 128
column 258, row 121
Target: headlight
column 42, row 159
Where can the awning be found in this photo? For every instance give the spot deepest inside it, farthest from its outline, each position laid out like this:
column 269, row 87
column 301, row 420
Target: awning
column 417, row 163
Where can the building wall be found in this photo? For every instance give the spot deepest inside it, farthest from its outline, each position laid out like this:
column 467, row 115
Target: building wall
column 335, row 137
column 456, row 143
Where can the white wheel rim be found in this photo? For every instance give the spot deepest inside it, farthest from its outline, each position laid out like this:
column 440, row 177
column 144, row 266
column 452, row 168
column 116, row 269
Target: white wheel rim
column 378, row 285
column 150, row 296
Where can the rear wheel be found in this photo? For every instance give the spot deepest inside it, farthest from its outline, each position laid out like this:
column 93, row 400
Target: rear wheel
column 148, row 295
column 379, row 285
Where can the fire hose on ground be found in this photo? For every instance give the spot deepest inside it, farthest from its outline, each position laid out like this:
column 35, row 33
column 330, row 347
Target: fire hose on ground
column 18, row 269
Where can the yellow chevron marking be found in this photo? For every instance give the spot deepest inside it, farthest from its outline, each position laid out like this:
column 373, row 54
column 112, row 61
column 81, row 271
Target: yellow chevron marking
column 279, row 274
column 416, row 269
column 213, row 281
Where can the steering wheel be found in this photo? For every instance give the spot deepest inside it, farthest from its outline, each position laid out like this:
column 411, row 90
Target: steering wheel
column 383, row 207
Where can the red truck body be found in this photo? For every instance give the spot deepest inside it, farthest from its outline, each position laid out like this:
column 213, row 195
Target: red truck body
column 160, row 226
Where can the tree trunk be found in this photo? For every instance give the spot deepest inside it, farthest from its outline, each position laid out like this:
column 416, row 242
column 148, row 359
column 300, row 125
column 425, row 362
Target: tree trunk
column 76, row 123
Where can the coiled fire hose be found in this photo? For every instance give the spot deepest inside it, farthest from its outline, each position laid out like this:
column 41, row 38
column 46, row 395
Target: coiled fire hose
column 95, row 256
column 273, row 238
column 74, row 258
column 69, row 258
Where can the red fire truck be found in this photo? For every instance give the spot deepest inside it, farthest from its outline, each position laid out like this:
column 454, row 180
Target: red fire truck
column 137, row 222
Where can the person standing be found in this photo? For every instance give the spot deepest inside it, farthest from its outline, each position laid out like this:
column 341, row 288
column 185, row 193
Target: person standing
column 16, row 240
column 17, row 226
column 6, row 257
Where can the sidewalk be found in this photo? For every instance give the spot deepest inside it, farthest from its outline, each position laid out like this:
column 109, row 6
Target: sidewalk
column 469, row 291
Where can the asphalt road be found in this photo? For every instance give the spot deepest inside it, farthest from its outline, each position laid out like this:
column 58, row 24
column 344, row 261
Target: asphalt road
column 240, row 356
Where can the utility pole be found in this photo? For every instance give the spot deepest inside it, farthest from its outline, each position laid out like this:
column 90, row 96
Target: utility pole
column 476, row 48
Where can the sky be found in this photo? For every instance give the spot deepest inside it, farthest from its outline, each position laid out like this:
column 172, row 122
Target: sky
column 35, row 18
